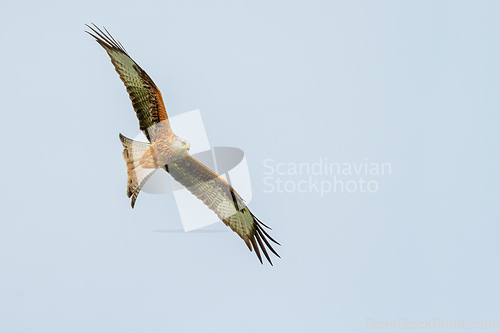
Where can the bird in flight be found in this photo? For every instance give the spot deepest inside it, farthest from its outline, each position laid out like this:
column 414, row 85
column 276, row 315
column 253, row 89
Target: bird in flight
column 167, row 151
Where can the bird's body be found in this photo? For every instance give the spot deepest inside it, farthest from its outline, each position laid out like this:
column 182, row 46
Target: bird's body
column 167, row 151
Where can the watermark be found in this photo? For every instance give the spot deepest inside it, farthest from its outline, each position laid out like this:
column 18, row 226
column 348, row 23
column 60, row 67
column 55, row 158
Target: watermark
column 431, row 324
column 323, row 177
column 228, row 162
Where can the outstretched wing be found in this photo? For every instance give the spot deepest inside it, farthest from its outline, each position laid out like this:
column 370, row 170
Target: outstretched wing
column 223, row 200
column 145, row 96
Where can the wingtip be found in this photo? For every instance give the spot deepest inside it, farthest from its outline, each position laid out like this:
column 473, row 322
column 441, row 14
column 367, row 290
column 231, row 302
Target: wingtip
column 257, row 252
column 104, row 38
column 259, row 241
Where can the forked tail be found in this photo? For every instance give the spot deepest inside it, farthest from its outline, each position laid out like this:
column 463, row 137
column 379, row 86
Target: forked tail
column 141, row 166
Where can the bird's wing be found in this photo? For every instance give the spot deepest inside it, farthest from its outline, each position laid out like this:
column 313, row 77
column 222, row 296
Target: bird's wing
column 223, row 200
column 145, row 96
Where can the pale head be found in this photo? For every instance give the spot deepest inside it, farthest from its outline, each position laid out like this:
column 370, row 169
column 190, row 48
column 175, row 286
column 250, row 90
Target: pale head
column 181, row 145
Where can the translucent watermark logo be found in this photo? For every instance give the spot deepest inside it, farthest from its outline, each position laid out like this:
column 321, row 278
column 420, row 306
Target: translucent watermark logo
column 323, row 177
column 431, row 324
column 228, row 162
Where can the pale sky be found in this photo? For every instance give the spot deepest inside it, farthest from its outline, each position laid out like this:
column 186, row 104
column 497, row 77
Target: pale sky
column 410, row 83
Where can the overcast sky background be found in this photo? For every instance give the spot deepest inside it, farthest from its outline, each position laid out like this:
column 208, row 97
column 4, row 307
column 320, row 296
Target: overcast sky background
column 411, row 83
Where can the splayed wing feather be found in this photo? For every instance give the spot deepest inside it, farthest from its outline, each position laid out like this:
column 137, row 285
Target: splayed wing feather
column 259, row 231
column 257, row 236
column 265, row 233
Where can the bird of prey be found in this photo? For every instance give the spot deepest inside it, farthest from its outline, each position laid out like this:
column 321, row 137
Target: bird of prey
column 167, row 151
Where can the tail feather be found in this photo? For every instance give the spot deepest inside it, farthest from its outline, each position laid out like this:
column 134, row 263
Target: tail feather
column 136, row 154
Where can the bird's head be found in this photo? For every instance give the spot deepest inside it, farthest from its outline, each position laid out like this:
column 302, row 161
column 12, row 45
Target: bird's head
column 181, row 145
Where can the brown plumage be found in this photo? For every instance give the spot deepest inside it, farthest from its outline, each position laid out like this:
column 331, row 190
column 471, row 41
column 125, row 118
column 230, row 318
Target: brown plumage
column 167, row 151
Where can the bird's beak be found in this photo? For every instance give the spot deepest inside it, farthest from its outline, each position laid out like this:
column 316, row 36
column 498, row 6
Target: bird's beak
column 187, row 147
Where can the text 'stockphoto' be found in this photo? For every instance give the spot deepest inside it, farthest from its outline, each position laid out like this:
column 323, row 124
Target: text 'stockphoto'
column 165, row 150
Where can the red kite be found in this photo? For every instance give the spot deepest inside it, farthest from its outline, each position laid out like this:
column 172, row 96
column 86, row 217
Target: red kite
column 167, row 151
